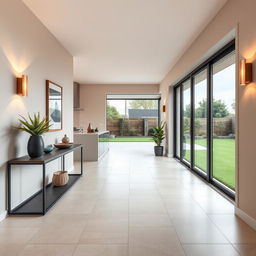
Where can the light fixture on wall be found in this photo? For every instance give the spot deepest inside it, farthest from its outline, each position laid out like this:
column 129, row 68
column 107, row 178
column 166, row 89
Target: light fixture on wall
column 163, row 108
column 22, row 85
column 245, row 72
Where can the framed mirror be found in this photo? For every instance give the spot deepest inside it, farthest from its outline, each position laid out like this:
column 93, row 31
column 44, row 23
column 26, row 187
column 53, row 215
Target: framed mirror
column 54, row 105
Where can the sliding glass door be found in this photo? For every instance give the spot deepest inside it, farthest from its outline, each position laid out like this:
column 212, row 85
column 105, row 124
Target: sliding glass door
column 200, row 120
column 186, row 121
column 177, row 120
column 205, row 120
column 223, row 123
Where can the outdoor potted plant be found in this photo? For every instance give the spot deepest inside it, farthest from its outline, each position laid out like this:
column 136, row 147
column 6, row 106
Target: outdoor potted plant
column 36, row 127
column 158, row 136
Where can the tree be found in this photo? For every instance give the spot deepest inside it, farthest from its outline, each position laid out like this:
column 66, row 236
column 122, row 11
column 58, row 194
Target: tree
column 112, row 112
column 219, row 109
column 187, row 111
column 143, row 104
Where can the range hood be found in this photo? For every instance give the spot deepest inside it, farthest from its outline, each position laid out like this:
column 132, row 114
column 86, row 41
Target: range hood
column 76, row 88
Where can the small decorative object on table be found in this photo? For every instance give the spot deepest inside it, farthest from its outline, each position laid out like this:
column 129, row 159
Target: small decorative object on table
column 35, row 127
column 48, row 149
column 60, row 178
column 89, row 129
column 63, row 145
column 65, row 139
column 158, row 136
column 96, row 129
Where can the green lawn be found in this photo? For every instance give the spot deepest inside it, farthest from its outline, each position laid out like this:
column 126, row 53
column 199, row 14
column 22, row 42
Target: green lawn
column 223, row 160
column 131, row 139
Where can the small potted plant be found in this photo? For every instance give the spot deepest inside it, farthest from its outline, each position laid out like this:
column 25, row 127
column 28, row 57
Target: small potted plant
column 36, row 127
column 158, row 136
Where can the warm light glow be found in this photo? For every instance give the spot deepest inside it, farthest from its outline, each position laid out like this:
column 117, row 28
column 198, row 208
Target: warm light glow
column 242, row 72
column 16, row 106
column 22, row 85
column 245, row 72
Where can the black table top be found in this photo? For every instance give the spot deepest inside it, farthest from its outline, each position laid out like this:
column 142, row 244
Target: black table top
column 45, row 158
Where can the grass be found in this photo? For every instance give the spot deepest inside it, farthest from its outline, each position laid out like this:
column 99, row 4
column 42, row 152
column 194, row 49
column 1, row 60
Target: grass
column 223, row 160
column 131, row 139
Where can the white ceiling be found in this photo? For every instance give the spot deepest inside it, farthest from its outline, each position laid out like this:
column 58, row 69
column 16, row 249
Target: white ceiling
column 124, row 41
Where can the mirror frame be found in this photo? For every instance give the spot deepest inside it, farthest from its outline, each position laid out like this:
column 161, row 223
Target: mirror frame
column 48, row 83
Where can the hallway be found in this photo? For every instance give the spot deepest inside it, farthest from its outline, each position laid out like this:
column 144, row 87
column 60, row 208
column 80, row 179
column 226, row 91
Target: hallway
column 132, row 203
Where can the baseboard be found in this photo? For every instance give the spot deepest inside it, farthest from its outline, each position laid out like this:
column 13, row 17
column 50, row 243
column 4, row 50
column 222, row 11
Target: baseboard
column 3, row 215
column 170, row 155
column 246, row 218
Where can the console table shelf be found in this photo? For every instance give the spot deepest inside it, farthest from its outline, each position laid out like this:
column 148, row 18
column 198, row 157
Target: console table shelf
column 45, row 198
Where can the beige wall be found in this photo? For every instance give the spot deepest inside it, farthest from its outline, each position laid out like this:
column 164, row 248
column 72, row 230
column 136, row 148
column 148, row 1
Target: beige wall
column 27, row 47
column 238, row 15
column 93, row 101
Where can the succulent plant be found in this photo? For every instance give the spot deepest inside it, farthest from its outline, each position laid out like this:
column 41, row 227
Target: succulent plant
column 33, row 125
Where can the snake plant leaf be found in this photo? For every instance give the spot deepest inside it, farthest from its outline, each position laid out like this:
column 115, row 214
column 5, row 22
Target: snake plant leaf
column 34, row 125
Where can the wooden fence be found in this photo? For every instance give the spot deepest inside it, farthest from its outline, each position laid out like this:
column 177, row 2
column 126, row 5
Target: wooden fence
column 131, row 126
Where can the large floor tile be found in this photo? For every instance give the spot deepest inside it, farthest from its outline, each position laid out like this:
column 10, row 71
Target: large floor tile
column 65, row 234
column 148, row 205
column 16, row 235
column 22, row 222
column 75, row 206
column 11, row 249
column 197, row 234
column 104, row 237
column 150, row 221
column 101, row 250
column 108, row 224
column 215, row 204
column 48, row 250
column 154, row 241
column 210, row 250
column 234, row 228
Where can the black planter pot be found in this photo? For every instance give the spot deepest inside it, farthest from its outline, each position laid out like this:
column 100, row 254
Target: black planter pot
column 35, row 146
column 159, row 150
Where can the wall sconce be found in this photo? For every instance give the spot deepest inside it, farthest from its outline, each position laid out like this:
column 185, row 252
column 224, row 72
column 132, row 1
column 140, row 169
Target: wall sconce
column 245, row 72
column 22, row 85
column 163, row 108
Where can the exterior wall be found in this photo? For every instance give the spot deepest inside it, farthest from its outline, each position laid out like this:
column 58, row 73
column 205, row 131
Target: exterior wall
column 93, row 101
column 236, row 15
column 27, row 47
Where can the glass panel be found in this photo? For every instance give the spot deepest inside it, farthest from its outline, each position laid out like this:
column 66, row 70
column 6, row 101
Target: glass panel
column 131, row 118
column 223, row 111
column 200, row 121
column 186, row 121
column 177, row 121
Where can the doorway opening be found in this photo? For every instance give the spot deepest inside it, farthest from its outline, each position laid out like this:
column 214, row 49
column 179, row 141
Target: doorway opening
column 131, row 118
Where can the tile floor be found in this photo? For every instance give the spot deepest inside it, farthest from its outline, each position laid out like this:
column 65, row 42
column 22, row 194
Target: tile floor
column 132, row 203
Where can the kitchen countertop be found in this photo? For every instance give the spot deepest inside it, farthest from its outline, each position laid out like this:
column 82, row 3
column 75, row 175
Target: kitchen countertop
column 95, row 133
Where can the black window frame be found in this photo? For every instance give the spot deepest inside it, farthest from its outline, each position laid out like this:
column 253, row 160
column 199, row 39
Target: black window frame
column 206, row 65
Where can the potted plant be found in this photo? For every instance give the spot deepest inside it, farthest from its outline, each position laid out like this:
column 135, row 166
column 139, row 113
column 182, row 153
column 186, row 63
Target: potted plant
column 158, row 136
column 36, row 128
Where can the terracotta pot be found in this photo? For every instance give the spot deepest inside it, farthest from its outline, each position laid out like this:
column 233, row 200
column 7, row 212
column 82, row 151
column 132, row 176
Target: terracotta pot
column 60, row 178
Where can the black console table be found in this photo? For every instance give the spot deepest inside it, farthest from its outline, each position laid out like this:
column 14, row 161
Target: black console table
column 40, row 202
